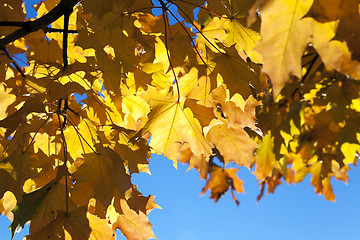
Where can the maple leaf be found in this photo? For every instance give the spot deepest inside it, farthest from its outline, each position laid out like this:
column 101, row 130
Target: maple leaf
column 265, row 158
column 228, row 65
column 24, row 211
column 6, row 99
column 172, row 125
column 112, row 175
column 221, row 180
column 349, row 18
column 201, row 164
column 287, row 40
column 135, row 226
column 15, row 170
column 72, row 225
column 80, row 139
column 11, row 122
column 232, row 141
column 11, row 11
column 43, row 50
column 135, row 152
column 197, row 90
column 54, row 200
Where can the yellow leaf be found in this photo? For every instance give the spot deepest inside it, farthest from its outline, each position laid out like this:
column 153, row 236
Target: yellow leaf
column 284, row 38
column 135, row 226
column 135, row 110
column 135, row 152
column 265, row 158
column 6, row 99
column 232, row 141
column 171, row 125
column 7, row 203
column 245, row 38
column 80, row 139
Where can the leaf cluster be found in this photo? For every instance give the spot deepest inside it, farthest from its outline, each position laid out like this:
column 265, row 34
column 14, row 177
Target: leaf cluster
column 266, row 85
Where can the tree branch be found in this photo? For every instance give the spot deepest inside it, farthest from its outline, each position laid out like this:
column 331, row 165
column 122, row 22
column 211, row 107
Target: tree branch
column 56, row 30
column 13, row 24
column 65, row 37
column 33, row 26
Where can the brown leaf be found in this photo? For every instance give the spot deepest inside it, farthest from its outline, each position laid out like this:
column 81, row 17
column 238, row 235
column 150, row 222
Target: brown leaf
column 221, row 180
column 112, row 173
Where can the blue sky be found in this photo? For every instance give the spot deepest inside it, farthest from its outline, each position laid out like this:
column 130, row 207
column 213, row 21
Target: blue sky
column 293, row 212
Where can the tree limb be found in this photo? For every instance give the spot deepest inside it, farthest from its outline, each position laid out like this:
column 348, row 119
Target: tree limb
column 65, row 37
column 33, row 26
column 51, row 30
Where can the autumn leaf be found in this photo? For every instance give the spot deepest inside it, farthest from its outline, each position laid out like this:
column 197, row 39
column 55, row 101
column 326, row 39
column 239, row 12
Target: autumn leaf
column 100, row 85
column 348, row 17
column 285, row 33
column 112, row 175
column 221, row 180
column 31, row 105
column 135, row 226
column 135, row 152
column 7, row 203
column 228, row 65
column 25, row 209
column 54, row 200
column 6, row 99
column 232, row 141
column 14, row 171
column 167, row 138
column 66, row 226
column 265, row 158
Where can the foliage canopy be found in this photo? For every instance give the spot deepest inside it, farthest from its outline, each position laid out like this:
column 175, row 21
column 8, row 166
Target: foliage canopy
column 270, row 85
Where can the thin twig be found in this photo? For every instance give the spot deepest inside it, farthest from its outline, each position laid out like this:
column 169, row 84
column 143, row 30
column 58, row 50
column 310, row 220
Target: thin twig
column 310, row 68
column 79, row 134
column 198, row 29
column 65, row 153
column 33, row 138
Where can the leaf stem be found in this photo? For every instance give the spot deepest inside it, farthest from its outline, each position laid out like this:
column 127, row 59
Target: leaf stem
column 198, row 29
column 191, row 39
column 59, row 112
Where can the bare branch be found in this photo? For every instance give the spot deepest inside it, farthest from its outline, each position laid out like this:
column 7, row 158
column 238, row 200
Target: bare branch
column 56, row 30
column 65, row 37
column 33, row 26
column 13, row 24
